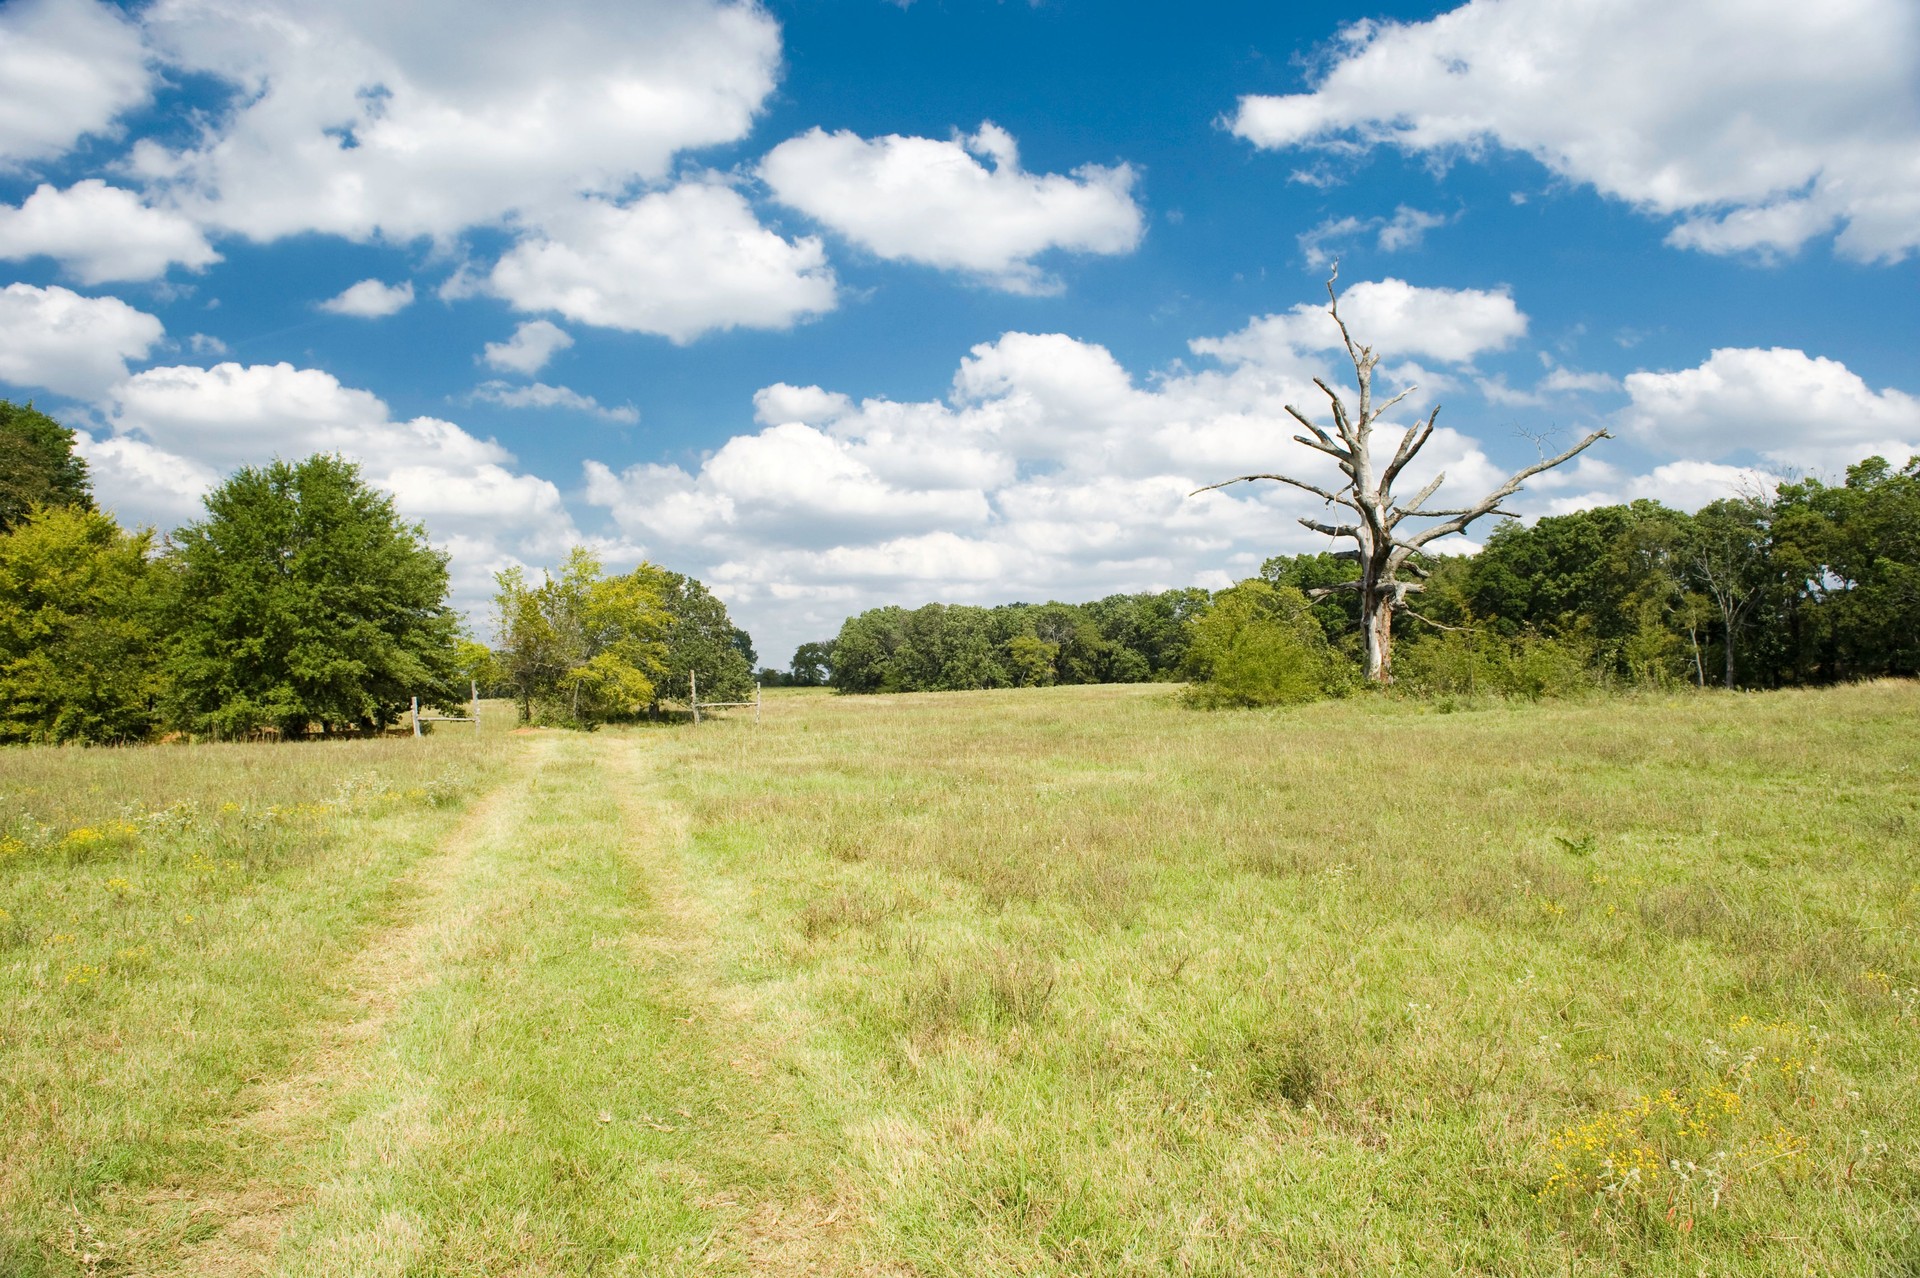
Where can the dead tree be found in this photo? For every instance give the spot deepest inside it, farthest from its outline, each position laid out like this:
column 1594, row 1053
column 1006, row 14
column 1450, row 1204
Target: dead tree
column 1383, row 544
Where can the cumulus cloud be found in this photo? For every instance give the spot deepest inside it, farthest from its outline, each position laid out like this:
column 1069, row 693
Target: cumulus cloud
column 1758, row 126
column 779, row 403
column 172, row 432
column 71, row 345
column 101, row 233
column 67, row 68
column 1794, row 409
column 963, row 205
column 541, row 395
column 361, row 118
column 1393, row 316
column 371, row 299
column 1406, row 229
column 678, row 263
column 528, row 350
column 1568, row 381
column 1048, row 471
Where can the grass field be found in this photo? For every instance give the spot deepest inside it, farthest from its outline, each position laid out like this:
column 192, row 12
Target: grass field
column 1041, row 982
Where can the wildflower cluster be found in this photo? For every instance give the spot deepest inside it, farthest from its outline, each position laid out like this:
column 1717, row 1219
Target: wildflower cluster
column 1693, row 1144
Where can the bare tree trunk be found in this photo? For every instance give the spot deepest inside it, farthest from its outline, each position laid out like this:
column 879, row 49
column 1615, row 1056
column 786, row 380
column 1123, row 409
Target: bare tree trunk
column 1376, row 620
column 1728, row 619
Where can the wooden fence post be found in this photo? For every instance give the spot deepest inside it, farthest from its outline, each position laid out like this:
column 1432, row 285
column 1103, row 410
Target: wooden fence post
column 473, row 686
column 756, row 701
column 416, row 716
column 693, row 695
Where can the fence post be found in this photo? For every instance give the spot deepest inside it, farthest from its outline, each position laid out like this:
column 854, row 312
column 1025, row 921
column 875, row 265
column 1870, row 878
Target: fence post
column 416, row 716
column 693, row 695
column 756, row 701
column 473, row 686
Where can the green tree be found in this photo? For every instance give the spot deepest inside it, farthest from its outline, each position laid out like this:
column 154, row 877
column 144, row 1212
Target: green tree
column 864, row 650
column 701, row 640
column 582, row 647
column 1850, row 557
column 304, row 600
column 38, row 466
column 812, row 665
column 1260, row 645
column 80, row 649
column 1728, row 560
column 1032, row 659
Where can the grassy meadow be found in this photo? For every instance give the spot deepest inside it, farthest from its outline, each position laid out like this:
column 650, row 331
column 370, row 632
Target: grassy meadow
column 1060, row 981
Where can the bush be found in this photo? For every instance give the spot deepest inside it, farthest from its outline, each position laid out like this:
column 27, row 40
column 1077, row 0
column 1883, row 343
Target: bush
column 1469, row 663
column 1260, row 645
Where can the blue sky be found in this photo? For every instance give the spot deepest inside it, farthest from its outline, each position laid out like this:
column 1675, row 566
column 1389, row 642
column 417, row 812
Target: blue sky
column 843, row 302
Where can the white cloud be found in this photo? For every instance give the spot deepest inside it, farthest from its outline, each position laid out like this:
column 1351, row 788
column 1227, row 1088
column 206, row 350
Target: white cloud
column 1396, row 318
column 1048, row 471
column 678, row 263
column 206, row 344
column 361, row 117
column 176, row 430
column 101, row 233
column 1406, row 229
column 1567, row 381
column 528, row 350
column 1681, row 485
column 779, row 403
column 541, row 395
column 69, row 344
column 67, row 68
column 1759, row 125
column 371, row 299
column 922, row 200
column 1794, row 409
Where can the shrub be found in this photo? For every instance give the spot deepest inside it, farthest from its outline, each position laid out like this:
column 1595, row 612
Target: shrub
column 1260, row 645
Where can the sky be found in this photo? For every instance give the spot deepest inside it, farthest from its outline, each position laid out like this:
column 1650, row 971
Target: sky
column 842, row 303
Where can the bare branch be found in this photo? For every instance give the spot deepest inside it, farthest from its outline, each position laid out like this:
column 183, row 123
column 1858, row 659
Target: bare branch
column 1340, row 419
column 1330, row 530
column 1413, row 507
column 1344, row 458
column 1488, row 504
column 1437, row 625
column 1382, row 410
column 1410, row 445
column 1326, row 444
column 1321, row 592
column 1281, row 479
column 1333, row 306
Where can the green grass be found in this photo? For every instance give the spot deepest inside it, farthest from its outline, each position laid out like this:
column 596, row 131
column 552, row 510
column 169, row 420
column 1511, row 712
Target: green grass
column 1055, row 981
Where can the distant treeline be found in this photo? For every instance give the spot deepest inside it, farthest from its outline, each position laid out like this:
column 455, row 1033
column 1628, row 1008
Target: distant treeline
column 950, row 647
column 1811, row 583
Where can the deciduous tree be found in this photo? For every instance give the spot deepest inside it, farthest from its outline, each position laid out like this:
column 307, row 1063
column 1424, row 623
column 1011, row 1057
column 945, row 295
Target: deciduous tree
column 38, row 466
column 305, row 601
column 80, row 647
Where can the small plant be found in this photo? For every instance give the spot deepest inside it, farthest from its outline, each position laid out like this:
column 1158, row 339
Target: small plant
column 1581, row 846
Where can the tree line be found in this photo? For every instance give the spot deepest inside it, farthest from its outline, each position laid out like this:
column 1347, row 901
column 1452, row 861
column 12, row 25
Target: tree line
column 1809, row 583
column 952, row 647
column 302, row 604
